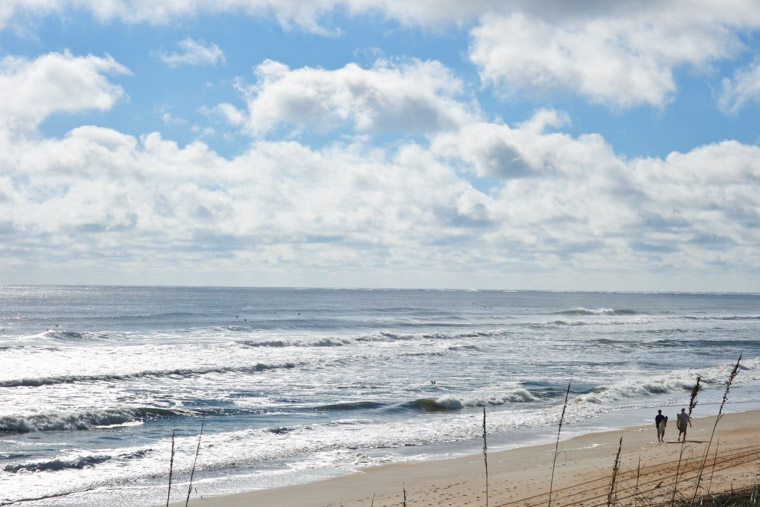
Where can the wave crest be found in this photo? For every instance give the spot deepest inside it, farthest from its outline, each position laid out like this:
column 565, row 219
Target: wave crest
column 597, row 311
column 179, row 372
column 450, row 402
column 322, row 342
column 59, row 422
column 356, row 405
column 56, row 465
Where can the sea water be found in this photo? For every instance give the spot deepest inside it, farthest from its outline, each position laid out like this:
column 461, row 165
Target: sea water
column 294, row 385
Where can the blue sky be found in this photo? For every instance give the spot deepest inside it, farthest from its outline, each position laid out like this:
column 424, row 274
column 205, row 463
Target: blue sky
column 380, row 143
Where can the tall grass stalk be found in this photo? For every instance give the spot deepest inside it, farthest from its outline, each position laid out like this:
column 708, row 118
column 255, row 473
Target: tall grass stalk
column 556, row 446
column 678, row 472
column 638, row 476
column 485, row 452
column 692, row 404
column 693, row 401
column 171, row 469
column 195, row 461
column 731, row 378
column 715, row 459
column 615, row 470
column 403, row 486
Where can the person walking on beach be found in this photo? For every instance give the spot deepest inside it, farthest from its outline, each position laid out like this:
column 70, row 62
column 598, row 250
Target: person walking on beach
column 683, row 420
column 660, row 421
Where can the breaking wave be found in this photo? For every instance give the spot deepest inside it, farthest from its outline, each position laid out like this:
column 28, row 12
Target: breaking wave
column 58, row 464
column 358, row 405
column 70, row 336
column 434, row 404
column 382, row 336
column 82, row 420
column 449, row 402
column 701, row 344
column 179, row 372
column 161, row 316
column 391, row 337
column 323, row 342
column 720, row 317
column 597, row 311
column 677, row 381
column 266, row 343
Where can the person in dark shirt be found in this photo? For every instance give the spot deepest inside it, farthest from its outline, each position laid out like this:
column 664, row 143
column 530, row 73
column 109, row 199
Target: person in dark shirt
column 660, row 421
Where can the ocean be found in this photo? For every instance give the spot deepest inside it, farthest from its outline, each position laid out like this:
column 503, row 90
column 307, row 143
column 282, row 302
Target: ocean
column 296, row 385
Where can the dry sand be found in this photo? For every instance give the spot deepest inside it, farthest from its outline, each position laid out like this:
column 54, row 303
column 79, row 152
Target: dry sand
column 522, row 476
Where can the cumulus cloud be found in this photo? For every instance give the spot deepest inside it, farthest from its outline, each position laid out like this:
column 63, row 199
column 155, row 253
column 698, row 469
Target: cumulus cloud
column 622, row 56
column 743, row 88
column 194, row 53
column 280, row 207
column 410, row 96
column 31, row 90
column 557, row 199
column 528, row 150
column 698, row 209
column 305, row 15
column 289, row 13
column 119, row 195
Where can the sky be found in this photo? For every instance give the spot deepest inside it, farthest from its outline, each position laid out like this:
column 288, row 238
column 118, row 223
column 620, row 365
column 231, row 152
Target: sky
column 546, row 145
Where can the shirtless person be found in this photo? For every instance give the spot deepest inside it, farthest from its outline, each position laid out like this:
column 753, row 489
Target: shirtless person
column 683, row 420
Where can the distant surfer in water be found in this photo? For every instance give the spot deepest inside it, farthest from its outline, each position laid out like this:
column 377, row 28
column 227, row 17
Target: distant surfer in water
column 660, row 421
column 681, row 422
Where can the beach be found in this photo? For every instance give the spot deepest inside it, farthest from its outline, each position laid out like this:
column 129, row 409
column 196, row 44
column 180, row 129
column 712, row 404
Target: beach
column 522, row 476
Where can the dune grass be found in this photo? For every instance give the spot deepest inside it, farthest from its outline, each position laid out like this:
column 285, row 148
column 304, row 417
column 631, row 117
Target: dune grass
column 731, row 378
column 692, row 405
column 747, row 497
column 195, row 462
column 485, row 452
column 171, row 469
column 556, row 446
column 615, row 470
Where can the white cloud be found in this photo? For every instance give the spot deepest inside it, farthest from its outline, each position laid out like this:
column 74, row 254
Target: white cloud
column 304, row 14
column 11, row 8
column 411, row 96
column 743, row 88
column 699, row 209
column 496, row 150
column 110, row 191
column 556, row 202
column 31, row 90
column 170, row 119
column 557, row 198
column 543, row 119
column 194, row 53
column 622, row 56
column 285, row 209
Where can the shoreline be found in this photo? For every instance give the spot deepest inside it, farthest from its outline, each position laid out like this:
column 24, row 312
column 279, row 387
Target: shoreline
column 521, row 476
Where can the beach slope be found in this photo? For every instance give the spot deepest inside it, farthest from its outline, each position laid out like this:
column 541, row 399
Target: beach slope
column 521, row 476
